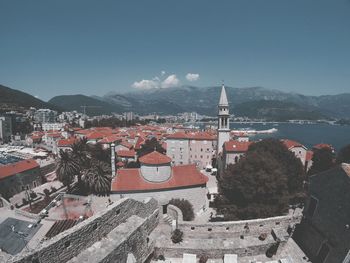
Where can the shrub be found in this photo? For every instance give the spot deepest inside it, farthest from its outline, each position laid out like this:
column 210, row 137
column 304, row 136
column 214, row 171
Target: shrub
column 46, row 192
column 176, row 236
column 186, row 208
column 161, row 257
column 203, row 259
column 33, row 195
column 24, row 201
column 53, row 189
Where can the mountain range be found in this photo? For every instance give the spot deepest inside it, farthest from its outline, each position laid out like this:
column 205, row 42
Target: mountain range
column 254, row 102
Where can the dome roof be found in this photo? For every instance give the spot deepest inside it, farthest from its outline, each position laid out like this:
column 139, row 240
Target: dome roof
column 155, row 158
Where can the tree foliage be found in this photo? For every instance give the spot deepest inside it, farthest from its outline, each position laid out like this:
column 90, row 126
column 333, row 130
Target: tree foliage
column 177, row 236
column 344, row 155
column 185, row 206
column 322, row 160
column 149, row 146
column 67, row 168
column 90, row 164
column 98, row 178
column 261, row 184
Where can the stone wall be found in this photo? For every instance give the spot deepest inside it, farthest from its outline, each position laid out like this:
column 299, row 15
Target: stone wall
column 70, row 243
column 238, row 237
column 130, row 237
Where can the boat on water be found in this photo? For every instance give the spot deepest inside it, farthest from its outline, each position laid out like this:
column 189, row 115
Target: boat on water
column 251, row 131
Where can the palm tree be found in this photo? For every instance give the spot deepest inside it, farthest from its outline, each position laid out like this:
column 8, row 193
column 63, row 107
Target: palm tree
column 67, row 168
column 98, row 178
column 81, row 156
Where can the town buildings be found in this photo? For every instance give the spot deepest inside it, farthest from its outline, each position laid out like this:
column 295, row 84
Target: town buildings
column 19, row 176
column 191, row 148
column 5, row 128
column 45, row 115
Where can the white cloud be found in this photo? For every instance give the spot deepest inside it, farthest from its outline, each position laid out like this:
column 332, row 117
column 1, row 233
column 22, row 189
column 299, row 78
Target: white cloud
column 157, row 82
column 170, row 81
column 163, row 72
column 146, row 84
column 192, row 76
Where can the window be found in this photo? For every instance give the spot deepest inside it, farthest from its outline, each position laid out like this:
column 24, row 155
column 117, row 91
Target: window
column 180, row 156
column 201, row 149
column 201, row 156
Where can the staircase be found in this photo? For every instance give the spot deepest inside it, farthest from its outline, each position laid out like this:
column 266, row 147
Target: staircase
column 167, row 219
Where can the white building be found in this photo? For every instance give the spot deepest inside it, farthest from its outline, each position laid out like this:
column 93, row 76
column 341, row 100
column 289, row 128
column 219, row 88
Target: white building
column 52, row 126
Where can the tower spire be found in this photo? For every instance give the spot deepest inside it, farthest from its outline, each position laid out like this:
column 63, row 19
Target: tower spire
column 223, row 98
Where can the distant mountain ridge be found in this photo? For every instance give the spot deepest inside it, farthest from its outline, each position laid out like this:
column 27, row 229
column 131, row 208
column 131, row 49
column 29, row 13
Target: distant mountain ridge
column 254, row 102
column 11, row 99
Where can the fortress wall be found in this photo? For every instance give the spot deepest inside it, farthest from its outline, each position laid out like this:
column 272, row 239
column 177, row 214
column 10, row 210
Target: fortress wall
column 254, row 226
column 70, row 243
column 131, row 237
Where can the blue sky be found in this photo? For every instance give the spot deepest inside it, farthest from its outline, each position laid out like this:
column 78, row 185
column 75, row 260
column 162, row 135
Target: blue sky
column 50, row 48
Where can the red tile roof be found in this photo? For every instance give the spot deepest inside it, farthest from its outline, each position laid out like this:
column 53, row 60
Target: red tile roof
column 155, row 158
column 110, row 139
column 139, row 142
column 95, row 135
column 322, row 145
column 18, row 167
column 309, row 155
column 236, row 146
column 126, row 144
column 291, row 144
column 126, row 153
column 66, row 142
column 131, row 180
column 192, row 136
column 120, row 164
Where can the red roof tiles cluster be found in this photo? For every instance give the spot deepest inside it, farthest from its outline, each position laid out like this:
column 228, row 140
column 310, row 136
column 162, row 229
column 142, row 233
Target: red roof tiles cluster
column 131, row 180
column 322, row 145
column 126, row 153
column 192, row 136
column 66, row 142
column 18, row 167
column 236, row 146
column 291, row 144
column 155, row 158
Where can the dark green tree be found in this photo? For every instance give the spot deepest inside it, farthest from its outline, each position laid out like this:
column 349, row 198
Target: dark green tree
column 254, row 187
column 81, row 156
column 67, row 168
column 344, row 155
column 98, row 178
column 292, row 166
column 149, row 146
column 322, row 160
column 185, row 206
column 98, row 152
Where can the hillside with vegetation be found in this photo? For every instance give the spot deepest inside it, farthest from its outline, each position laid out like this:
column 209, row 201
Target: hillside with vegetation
column 11, row 99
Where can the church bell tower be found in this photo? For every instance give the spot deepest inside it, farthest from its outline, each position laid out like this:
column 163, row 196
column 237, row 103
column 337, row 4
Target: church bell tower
column 223, row 121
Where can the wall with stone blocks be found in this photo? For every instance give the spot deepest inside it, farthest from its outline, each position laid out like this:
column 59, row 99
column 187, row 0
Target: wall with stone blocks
column 70, row 243
column 132, row 237
column 255, row 226
column 172, row 252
